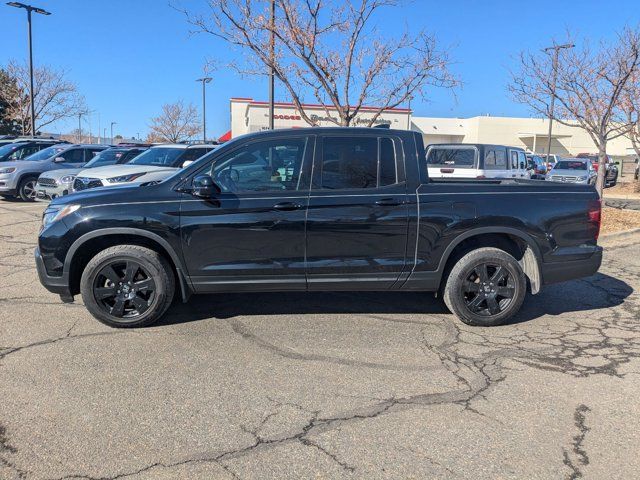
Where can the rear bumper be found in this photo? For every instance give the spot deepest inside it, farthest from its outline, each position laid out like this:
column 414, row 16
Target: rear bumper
column 59, row 285
column 561, row 271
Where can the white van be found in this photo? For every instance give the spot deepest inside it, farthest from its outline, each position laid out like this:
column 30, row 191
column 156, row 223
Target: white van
column 466, row 160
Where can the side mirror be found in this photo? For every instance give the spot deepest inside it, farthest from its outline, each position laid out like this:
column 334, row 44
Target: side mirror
column 187, row 163
column 522, row 167
column 204, row 186
column 59, row 160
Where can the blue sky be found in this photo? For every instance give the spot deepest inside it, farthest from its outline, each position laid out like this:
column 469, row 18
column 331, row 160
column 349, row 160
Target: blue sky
column 128, row 57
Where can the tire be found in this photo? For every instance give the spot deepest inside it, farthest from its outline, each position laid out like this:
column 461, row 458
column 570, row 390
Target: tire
column 127, row 286
column 486, row 287
column 27, row 189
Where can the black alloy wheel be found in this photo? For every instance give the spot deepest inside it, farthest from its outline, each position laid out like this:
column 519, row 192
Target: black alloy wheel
column 488, row 289
column 127, row 286
column 485, row 287
column 124, row 289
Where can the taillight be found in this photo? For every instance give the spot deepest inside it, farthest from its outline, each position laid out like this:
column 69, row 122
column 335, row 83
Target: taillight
column 595, row 216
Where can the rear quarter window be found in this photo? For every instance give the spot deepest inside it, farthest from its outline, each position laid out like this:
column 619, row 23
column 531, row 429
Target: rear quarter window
column 495, row 159
column 451, row 157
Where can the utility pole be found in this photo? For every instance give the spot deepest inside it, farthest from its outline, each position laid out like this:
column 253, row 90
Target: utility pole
column 79, row 128
column 112, row 124
column 556, row 51
column 204, row 81
column 29, row 9
column 409, row 113
column 272, row 59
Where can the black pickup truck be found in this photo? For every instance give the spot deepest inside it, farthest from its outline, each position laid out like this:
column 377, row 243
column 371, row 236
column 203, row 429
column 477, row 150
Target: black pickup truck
column 317, row 209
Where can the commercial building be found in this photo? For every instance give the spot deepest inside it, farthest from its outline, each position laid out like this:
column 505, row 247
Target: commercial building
column 248, row 115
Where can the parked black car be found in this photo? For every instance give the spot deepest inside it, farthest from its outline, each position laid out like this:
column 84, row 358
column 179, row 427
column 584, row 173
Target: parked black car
column 317, row 209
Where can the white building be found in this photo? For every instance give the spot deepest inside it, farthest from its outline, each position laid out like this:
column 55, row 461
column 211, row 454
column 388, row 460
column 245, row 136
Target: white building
column 248, row 115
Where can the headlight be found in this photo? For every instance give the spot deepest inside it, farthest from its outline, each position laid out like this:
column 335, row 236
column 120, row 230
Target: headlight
column 55, row 213
column 8, row 170
column 582, row 179
column 67, row 179
column 124, row 178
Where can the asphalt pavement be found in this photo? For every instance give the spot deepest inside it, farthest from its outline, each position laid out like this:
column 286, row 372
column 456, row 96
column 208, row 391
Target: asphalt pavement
column 294, row 385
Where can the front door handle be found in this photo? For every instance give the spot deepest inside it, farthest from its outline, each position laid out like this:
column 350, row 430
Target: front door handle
column 389, row 202
column 287, row 206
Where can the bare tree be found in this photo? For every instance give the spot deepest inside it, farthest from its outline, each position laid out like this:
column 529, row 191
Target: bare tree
column 631, row 107
column 176, row 123
column 55, row 98
column 590, row 84
column 331, row 51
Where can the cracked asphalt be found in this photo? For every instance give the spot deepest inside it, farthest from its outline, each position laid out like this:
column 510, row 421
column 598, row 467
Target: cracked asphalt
column 375, row 385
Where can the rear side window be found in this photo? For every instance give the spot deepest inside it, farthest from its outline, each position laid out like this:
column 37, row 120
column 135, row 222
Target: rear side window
column 358, row 163
column 495, row 159
column 451, row 157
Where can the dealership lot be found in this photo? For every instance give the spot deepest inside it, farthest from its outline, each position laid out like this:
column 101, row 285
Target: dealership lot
column 341, row 385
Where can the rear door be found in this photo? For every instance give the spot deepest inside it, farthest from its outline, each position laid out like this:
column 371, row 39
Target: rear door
column 357, row 218
column 452, row 161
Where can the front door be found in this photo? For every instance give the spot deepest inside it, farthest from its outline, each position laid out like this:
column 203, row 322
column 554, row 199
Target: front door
column 358, row 216
column 251, row 236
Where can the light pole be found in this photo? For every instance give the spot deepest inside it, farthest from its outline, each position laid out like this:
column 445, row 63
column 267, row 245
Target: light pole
column 29, row 9
column 79, row 128
column 556, row 51
column 409, row 113
column 112, row 124
column 204, row 81
column 272, row 59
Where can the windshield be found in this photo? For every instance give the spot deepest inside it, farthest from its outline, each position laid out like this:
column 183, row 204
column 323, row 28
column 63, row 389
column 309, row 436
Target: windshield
column 46, row 153
column 110, row 156
column 160, row 157
column 6, row 150
column 570, row 165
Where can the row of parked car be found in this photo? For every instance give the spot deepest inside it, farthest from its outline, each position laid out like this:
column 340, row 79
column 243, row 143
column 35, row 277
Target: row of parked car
column 501, row 161
column 44, row 169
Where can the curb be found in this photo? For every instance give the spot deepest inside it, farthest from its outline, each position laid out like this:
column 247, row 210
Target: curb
column 620, row 235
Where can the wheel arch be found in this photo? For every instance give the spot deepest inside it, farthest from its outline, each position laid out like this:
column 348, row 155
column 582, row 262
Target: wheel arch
column 89, row 244
column 514, row 241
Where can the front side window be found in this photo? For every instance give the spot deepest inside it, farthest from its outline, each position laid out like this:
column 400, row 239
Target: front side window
column 495, row 159
column 272, row 165
column 355, row 163
column 75, row 155
column 451, row 157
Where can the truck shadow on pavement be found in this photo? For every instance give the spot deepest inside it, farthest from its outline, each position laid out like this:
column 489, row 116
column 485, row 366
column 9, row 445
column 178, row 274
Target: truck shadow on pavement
column 597, row 292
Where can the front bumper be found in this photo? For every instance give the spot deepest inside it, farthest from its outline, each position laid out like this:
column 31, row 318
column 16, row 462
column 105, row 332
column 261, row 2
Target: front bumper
column 59, row 285
column 563, row 270
column 51, row 193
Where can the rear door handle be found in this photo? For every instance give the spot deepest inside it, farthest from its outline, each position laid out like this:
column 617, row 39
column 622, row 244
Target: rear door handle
column 287, row 206
column 389, row 202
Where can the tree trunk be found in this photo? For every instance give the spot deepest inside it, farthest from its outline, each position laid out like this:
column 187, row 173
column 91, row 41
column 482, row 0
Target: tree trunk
column 602, row 166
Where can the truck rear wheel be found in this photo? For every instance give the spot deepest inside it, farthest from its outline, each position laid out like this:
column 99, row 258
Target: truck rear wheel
column 127, row 286
column 486, row 287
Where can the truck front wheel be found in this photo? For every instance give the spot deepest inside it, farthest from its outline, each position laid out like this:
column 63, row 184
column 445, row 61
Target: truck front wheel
column 486, row 287
column 127, row 286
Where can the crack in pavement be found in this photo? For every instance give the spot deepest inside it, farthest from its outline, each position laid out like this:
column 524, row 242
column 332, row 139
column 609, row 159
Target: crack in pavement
column 582, row 459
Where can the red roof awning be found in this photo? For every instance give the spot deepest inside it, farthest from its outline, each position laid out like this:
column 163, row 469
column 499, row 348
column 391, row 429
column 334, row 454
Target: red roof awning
column 226, row 137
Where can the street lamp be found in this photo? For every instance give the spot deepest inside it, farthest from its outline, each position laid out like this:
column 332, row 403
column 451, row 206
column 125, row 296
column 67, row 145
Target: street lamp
column 79, row 127
column 29, row 9
column 112, row 124
column 556, row 51
column 204, row 107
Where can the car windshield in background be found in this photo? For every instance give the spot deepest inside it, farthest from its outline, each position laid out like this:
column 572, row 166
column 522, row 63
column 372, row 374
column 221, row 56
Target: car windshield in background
column 451, row 157
column 5, row 150
column 46, row 153
column 569, row 165
column 160, row 157
column 106, row 157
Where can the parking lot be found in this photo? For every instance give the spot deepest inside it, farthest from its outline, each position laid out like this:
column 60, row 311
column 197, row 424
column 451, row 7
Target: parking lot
column 284, row 385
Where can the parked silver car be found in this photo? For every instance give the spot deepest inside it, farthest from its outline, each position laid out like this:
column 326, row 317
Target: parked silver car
column 573, row 170
column 56, row 183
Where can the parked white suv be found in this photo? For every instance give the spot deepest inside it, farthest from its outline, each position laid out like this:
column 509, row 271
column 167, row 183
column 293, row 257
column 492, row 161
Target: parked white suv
column 465, row 160
column 154, row 165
